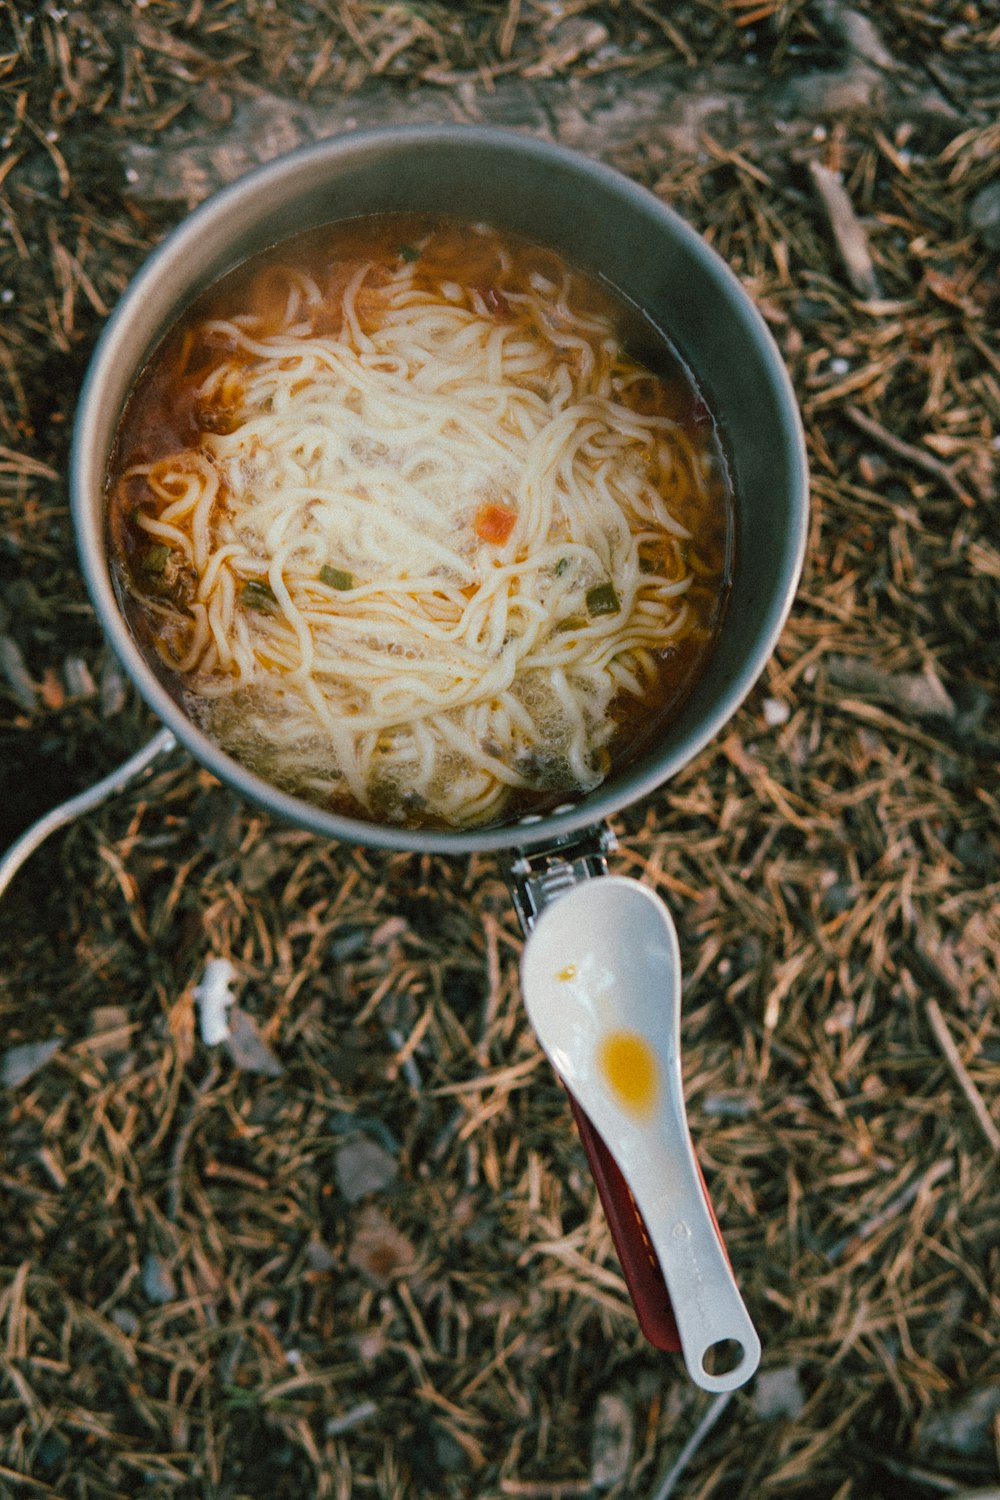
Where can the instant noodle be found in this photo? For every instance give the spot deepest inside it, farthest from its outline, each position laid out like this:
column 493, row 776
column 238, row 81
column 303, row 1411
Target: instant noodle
column 420, row 522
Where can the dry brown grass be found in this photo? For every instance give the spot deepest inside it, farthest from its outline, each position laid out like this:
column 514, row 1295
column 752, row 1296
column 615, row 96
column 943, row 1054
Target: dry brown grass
column 192, row 1302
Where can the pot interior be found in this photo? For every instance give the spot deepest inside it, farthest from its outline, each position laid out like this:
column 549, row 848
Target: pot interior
column 598, row 220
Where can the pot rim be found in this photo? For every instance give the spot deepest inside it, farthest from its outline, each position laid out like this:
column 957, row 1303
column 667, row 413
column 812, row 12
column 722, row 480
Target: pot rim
column 180, row 246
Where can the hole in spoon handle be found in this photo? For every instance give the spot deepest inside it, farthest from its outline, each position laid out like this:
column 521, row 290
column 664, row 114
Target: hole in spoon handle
column 719, row 1342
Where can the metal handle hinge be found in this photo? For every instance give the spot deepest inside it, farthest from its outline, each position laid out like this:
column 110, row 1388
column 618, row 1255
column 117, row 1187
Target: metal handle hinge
column 536, row 877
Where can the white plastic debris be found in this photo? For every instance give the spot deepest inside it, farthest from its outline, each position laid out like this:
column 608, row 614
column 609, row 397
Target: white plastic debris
column 18, row 1064
column 214, row 996
column 779, row 1394
column 364, row 1410
column 157, row 1280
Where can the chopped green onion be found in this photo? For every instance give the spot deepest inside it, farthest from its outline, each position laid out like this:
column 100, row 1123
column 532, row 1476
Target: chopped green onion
column 155, row 559
column 409, row 252
column 571, row 622
column 258, row 595
column 561, row 566
column 335, row 578
column 602, row 600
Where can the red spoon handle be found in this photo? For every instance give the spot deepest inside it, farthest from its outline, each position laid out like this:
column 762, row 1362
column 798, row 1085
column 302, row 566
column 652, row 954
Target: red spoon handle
column 639, row 1264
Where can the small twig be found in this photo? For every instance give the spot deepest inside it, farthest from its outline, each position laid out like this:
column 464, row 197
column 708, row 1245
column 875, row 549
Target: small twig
column 541, row 1489
column 404, row 1053
column 25, row 1481
column 913, row 455
column 848, row 232
column 712, row 1414
column 12, row 462
column 671, row 33
column 948, row 980
column 946, row 1042
column 919, row 1476
column 895, row 1206
column 183, row 1140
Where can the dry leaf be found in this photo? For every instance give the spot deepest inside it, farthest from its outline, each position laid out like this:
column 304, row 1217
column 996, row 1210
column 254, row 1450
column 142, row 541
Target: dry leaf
column 362, row 1168
column 379, row 1250
column 247, row 1047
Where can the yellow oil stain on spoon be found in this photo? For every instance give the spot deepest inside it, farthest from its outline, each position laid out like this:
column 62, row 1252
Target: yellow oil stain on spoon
column 628, row 1065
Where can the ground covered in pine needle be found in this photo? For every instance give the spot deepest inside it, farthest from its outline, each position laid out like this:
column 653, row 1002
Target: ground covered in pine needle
column 355, row 1250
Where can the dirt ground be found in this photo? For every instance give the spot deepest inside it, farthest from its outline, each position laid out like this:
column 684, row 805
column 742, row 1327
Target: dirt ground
column 355, row 1251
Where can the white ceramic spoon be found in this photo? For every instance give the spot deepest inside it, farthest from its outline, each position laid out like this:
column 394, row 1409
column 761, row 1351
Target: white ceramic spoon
column 601, row 979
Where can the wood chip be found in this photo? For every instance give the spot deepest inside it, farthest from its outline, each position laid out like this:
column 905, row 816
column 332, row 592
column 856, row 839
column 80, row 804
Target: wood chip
column 922, row 693
column 247, row 1047
column 848, row 232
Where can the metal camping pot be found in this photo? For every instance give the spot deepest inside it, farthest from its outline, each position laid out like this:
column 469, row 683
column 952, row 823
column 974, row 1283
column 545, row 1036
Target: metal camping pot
column 605, row 224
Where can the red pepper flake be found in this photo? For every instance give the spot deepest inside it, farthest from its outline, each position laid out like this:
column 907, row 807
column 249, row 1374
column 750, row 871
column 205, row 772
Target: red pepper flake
column 698, row 414
column 496, row 303
column 494, row 523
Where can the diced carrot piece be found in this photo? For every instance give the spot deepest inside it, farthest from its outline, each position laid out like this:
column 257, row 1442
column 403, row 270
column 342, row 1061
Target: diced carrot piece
column 494, row 523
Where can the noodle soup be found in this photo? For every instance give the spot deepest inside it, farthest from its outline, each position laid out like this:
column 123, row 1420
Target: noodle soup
column 420, row 523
